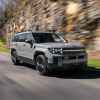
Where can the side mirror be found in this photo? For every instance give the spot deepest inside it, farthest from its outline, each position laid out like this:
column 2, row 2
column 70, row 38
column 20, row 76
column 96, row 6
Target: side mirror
column 28, row 41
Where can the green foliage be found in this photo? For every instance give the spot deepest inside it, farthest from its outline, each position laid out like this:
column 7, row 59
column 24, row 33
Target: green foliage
column 3, row 20
column 2, row 40
column 2, row 45
column 94, row 63
column 3, row 49
column 8, row 14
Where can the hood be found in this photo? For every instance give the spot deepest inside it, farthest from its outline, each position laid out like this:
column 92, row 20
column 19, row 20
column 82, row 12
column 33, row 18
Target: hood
column 60, row 45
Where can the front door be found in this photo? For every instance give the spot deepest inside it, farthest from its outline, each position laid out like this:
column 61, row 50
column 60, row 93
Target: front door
column 28, row 48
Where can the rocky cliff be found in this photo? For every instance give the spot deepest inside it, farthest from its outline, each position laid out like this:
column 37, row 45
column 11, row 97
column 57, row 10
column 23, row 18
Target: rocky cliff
column 38, row 15
column 77, row 19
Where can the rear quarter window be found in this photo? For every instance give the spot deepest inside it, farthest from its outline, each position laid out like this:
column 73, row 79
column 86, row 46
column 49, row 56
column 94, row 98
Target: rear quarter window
column 15, row 39
column 19, row 38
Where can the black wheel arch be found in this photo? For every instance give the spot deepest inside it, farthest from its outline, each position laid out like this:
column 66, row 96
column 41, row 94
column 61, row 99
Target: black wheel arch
column 12, row 50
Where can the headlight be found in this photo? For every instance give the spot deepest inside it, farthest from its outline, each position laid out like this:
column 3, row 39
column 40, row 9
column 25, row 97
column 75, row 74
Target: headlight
column 56, row 50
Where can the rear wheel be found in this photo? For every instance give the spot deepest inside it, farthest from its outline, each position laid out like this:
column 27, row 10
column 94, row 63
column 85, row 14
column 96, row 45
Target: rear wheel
column 14, row 58
column 41, row 64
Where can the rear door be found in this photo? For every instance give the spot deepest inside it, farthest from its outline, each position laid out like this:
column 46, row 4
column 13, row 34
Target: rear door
column 21, row 44
column 14, row 42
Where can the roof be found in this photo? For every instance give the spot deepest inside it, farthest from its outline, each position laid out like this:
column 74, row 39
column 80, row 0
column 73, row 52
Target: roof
column 26, row 32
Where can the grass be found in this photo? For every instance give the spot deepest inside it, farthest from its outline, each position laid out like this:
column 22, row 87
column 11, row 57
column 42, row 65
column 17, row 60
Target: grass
column 3, row 48
column 94, row 63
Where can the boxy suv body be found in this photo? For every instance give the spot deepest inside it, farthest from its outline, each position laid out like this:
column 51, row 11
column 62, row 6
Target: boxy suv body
column 47, row 51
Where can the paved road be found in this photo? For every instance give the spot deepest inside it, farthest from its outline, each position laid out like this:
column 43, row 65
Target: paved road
column 24, row 83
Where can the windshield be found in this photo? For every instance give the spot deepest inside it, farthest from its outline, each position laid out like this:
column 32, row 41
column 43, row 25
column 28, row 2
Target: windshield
column 47, row 37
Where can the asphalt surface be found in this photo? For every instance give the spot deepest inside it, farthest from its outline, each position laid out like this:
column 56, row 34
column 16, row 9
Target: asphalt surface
column 24, row 83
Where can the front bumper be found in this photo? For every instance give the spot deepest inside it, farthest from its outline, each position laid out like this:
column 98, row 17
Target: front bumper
column 65, row 62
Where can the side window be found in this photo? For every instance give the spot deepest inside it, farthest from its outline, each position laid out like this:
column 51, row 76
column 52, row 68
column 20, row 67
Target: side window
column 15, row 39
column 29, row 36
column 22, row 38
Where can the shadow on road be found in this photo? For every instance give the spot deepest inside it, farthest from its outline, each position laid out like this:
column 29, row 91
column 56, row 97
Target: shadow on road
column 89, row 73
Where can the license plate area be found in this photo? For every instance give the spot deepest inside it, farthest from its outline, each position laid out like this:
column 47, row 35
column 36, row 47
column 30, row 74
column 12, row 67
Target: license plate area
column 73, row 58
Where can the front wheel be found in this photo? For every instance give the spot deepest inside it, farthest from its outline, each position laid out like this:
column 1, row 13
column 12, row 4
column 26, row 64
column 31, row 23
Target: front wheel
column 41, row 64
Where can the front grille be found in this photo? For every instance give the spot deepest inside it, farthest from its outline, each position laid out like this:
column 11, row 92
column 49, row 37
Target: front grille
column 73, row 54
column 55, row 60
column 71, row 57
column 65, row 53
column 72, row 48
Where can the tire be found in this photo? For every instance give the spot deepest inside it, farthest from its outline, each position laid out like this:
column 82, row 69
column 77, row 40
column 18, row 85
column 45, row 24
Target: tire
column 14, row 58
column 41, row 64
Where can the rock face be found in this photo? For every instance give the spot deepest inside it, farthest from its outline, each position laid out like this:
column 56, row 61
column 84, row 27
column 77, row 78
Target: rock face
column 38, row 15
column 89, row 19
column 52, row 15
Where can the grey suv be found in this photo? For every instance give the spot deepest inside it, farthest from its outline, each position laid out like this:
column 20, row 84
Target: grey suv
column 47, row 51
